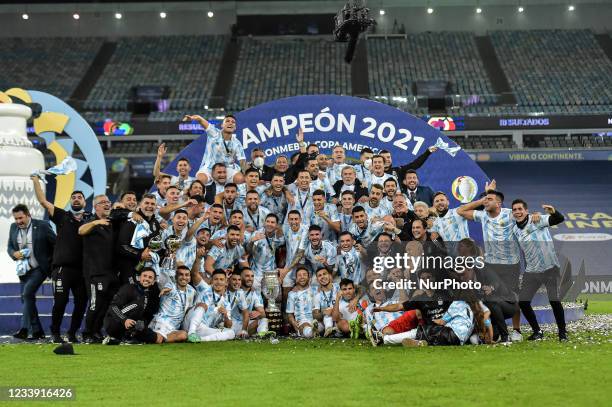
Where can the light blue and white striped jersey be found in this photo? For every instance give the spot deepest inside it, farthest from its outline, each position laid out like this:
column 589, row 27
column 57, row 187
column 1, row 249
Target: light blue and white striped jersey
column 241, row 195
column 343, row 308
column 326, row 231
column 226, row 257
column 222, row 233
column 303, row 202
column 537, row 245
column 380, row 211
column 334, row 173
column 366, row 236
column 213, row 228
column 451, row 227
column 182, row 183
column 212, row 318
column 275, row 204
column 187, row 253
column 166, row 233
column 460, row 318
column 294, row 241
column 160, row 201
column 348, row 265
column 238, row 303
column 300, row 304
column 323, row 185
column 256, row 220
column 253, row 299
column 325, row 299
column 375, row 179
column 345, row 221
column 363, row 174
column 218, row 150
column 174, row 305
column 381, row 319
column 263, row 254
column 326, row 249
column 501, row 246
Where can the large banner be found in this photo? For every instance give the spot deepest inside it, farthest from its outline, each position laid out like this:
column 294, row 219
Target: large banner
column 353, row 123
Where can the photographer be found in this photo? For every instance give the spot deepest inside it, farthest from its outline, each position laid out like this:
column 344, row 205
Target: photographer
column 132, row 309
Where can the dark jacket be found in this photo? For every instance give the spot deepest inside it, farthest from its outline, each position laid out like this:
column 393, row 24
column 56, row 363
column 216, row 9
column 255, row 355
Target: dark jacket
column 127, row 257
column 423, row 193
column 400, row 170
column 132, row 301
column 43, row 242
column 359, row 190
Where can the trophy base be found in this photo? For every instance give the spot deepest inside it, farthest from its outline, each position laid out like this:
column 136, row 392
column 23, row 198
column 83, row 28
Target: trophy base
column 275, row 321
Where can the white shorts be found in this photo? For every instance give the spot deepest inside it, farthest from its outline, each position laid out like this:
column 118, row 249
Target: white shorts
column 162, row 326
column 231, row 171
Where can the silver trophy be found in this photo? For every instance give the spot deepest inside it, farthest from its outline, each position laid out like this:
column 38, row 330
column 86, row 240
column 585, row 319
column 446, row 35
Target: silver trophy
column 270, row 288
column 172, row 243
column 155, row 245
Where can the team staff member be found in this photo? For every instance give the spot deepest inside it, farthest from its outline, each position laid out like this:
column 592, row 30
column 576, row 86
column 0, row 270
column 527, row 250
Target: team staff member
column 127, row 256
column 132, row 309
column 98, row 266
column 67, row 270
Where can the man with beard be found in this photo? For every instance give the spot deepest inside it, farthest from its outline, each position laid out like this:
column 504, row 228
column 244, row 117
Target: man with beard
column 228, row 201
column 222, row 146
column 262, row 249
column 334, row 172
column 237, row 303
column 318, row 178
column 67, row 266
column 128, row 256
column 324, row 215
column 296, row 237
column 502, row 252
column 301, row 190
column 300, row 306
column 379, row 320
column 195, row 242
column 375, row 209
column 132, row 310
column 365, row 231
column 350, row 182
column 237, row 219
column 433, row 246
column 449, row 225
column 325, row 299
column 173, row 202
column 348, row 261
column 416, row 192
column 217, row 184
column 400, row 171
column 180, row 224
column 256, row 321
column 178, row 299
column 183, row 167
column 390, row 189
column 254, row 214
column 210, row 320
column 274, row 198
column 318, row 252
column 98, row 264
column 213, row 219
column 226, row 257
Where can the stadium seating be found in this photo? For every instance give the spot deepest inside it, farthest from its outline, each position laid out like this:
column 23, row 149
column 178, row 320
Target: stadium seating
column 272, row 68
column 555, row 68
column 144, row 147
column 394, row 64
column 53, row 65
column 485, row 142
column 187, row 64
column 568, row 141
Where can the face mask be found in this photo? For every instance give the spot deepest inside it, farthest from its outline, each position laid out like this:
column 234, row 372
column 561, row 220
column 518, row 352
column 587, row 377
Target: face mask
column 367, row 163
column 258, row 162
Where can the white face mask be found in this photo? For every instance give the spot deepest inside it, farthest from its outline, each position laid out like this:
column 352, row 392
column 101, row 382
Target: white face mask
column 367, row 163
column 258, row 162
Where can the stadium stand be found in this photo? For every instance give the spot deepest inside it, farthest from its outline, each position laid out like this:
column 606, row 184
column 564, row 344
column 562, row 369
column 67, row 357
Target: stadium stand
column 395, row 64
column 567, row 141
column 144, row 147
column 272, row 68
column 502, row 142
column 53, row 65
column 556, row 69
column 187, row 64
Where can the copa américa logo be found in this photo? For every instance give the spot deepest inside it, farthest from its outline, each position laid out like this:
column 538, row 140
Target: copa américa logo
column 464, row 189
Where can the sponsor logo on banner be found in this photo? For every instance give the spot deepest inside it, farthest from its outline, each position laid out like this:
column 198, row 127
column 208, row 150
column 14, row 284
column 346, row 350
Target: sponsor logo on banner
column 583, row 237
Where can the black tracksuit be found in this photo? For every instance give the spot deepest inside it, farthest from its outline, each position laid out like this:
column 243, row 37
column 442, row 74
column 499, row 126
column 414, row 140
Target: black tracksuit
column 132, row 301
column 67, row 272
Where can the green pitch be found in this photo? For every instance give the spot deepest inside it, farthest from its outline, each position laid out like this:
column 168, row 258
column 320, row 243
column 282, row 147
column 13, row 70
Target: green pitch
column 325, row 373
